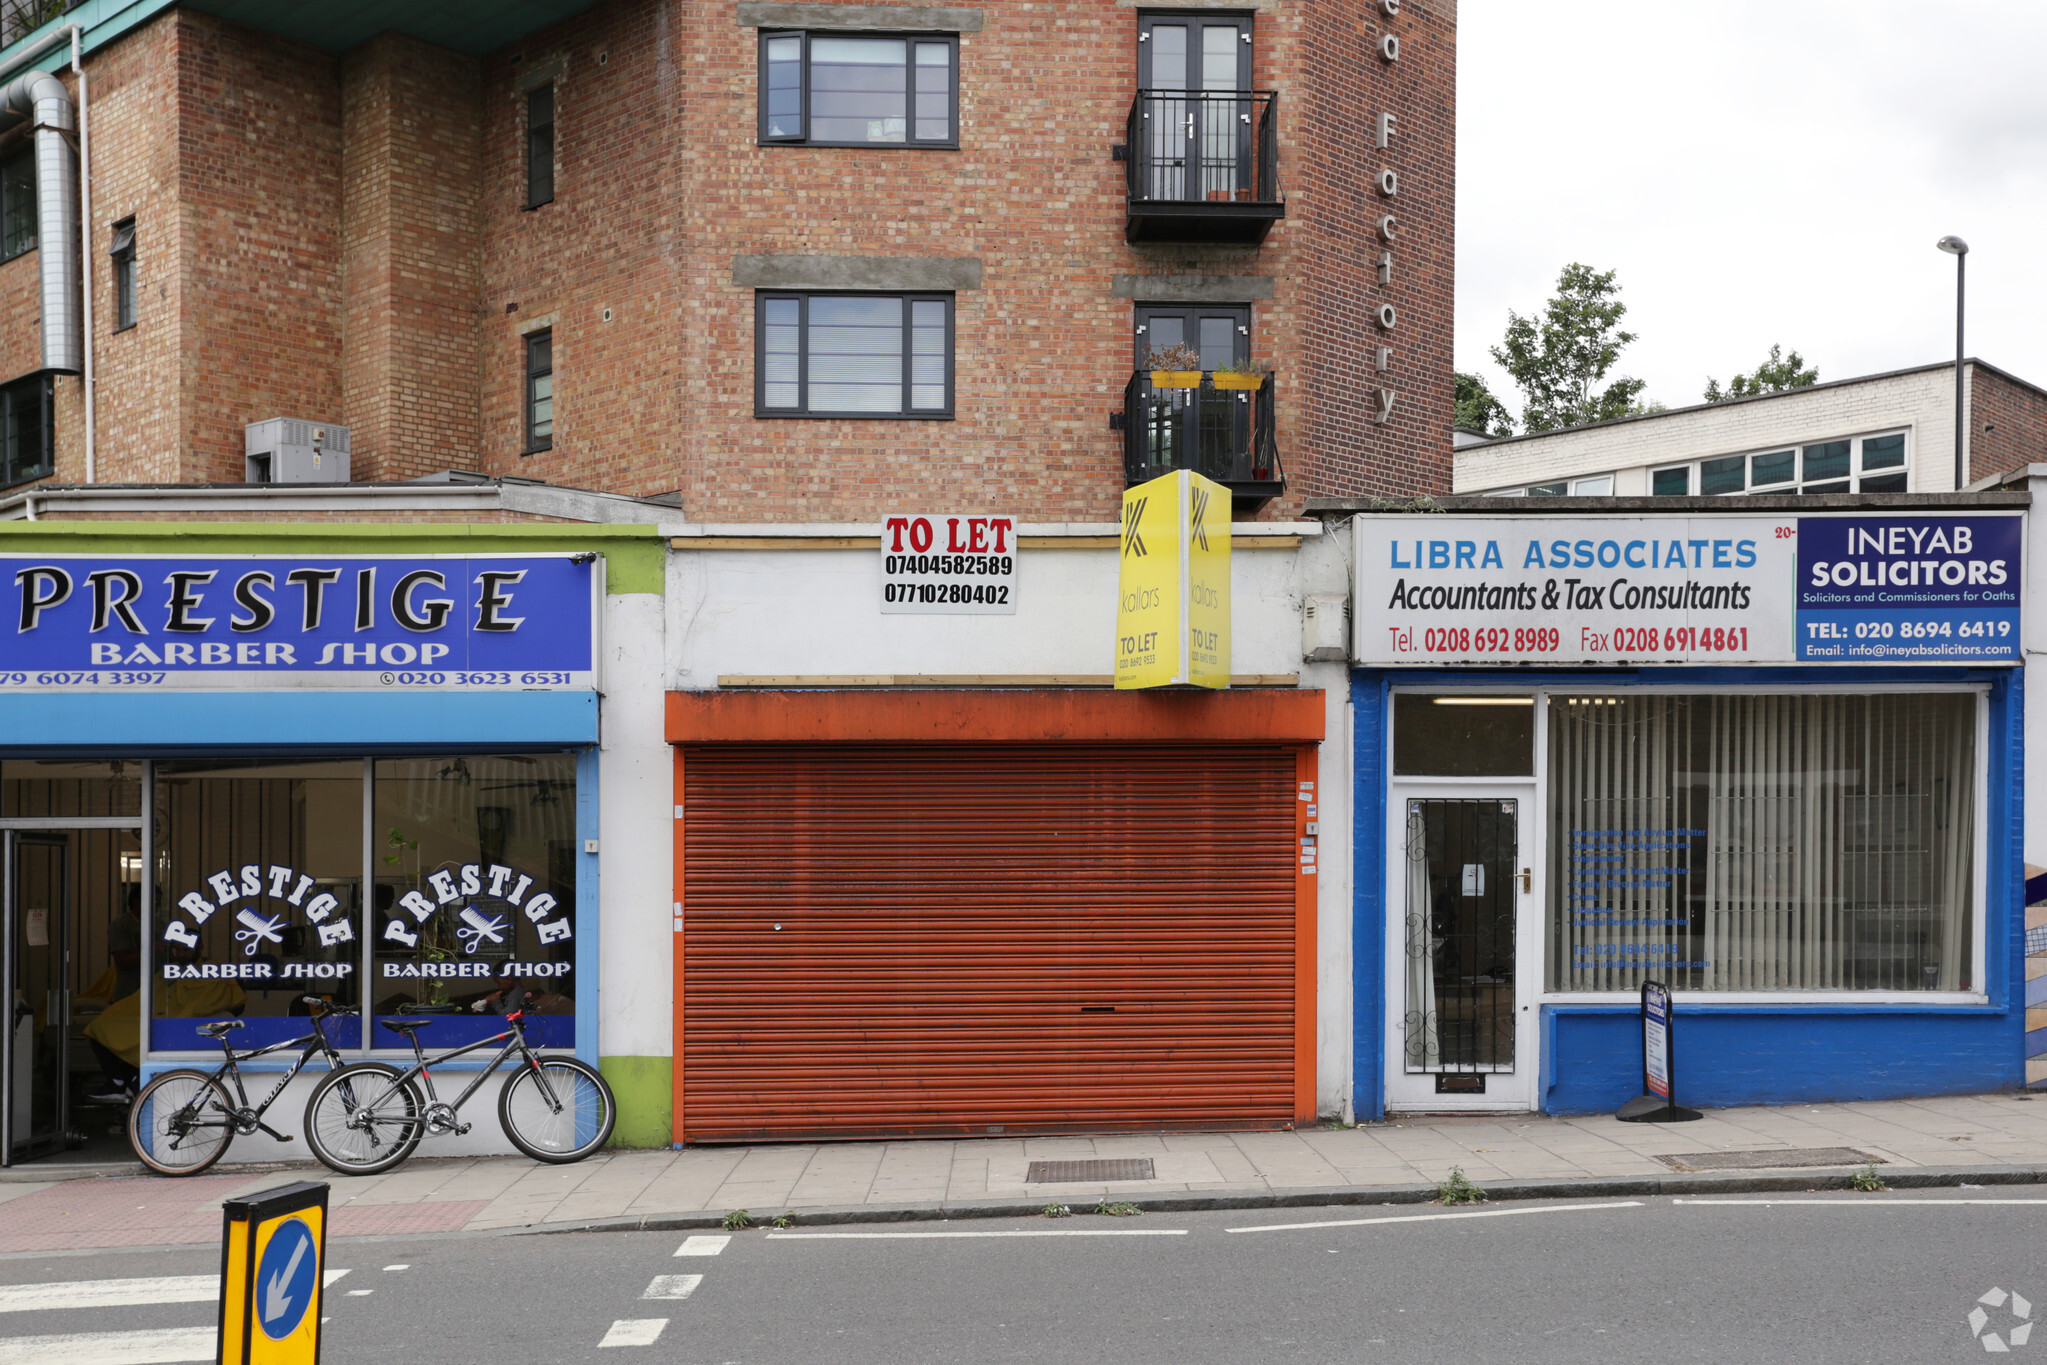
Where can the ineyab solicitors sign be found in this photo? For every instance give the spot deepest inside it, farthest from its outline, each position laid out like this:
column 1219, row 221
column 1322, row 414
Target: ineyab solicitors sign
column 1610, row 590
column 128, row 622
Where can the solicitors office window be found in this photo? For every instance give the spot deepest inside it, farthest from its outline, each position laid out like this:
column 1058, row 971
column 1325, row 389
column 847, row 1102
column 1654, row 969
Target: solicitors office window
column 1762, row 842
column 28, row 430
column 1855, row 464
column 837, row 90
column 18, row 203
column 853, row 355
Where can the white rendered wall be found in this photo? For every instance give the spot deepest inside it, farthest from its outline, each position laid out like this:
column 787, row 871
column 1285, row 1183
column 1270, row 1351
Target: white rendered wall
column 1922, row 402
column 817, row 613
column 2034, row 631
column 636, row 846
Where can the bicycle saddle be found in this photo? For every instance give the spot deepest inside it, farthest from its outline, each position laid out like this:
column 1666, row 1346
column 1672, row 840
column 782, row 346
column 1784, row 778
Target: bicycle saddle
column 405, row 1025
column 224, row 1026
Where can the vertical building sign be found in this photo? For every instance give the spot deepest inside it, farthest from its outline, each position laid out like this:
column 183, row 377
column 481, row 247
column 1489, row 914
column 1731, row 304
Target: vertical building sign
column 1387, row 222
column 1173, row 584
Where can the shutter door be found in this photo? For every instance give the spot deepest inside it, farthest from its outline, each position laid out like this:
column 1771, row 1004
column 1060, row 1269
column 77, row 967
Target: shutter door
column 975, row 939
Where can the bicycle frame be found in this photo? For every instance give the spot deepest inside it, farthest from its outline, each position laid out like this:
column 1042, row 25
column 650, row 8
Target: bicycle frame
column 246, row 1119
column 420, row 1067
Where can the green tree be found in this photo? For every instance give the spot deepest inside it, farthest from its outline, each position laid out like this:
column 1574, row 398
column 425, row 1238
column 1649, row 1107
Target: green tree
column 1561, row 358
column 1778, row 373
column 1478, row 410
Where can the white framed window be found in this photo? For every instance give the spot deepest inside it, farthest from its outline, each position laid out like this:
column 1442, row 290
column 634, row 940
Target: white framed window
column 1876, row 463
column 1591, row 486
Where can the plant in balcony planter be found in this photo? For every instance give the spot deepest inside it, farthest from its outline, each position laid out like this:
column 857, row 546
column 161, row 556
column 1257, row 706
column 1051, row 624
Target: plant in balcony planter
column 1175, row 367
column 1240, row 374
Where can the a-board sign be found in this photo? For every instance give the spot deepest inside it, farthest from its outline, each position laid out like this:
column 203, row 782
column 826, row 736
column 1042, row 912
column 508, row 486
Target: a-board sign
column 1173, row 584
column 1657, row 1103
column 948, row 564
column 272, row 1271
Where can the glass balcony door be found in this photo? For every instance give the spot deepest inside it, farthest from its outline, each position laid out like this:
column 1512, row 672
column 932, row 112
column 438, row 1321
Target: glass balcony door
column 1197, row 137
column 1201, row 429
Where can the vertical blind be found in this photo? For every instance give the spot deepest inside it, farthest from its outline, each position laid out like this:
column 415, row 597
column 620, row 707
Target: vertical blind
column 1761, row 842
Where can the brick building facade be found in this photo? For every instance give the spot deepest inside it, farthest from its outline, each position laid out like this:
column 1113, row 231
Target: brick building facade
column 334, row 225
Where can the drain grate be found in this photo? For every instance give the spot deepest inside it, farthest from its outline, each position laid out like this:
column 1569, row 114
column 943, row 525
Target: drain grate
column 1089, row 1172
column 1763, row 1160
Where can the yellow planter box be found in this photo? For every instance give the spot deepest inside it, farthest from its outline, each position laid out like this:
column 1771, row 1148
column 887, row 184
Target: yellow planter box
column 1176, row 379
column 1229, row 379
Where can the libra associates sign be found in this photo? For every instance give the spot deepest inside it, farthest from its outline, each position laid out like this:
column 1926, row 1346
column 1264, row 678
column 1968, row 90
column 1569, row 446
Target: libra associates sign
column 1173, row 584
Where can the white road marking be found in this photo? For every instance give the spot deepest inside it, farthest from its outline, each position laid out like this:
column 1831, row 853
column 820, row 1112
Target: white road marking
column 1438, row 1217
column 672, row 1286
column 1863, row 1203
column 634, row 1332
column 1025, row 1232
column 43, row 1298
column 397, row 1267
column 359, row 1293
column 112, row 1348
column 703, row 1245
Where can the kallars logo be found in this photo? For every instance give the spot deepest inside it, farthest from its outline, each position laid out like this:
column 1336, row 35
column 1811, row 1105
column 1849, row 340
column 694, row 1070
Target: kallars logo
column 2019, row 1333
column 1133, row 543
column 1197, row 515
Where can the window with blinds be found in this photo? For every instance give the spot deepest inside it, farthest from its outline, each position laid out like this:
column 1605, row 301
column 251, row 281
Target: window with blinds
column 1762, row 842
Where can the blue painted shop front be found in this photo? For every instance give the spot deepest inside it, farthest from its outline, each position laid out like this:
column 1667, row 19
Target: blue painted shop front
column 1762, row 1051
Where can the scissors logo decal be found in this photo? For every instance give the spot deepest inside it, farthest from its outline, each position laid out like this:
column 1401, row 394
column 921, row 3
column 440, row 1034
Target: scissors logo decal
column 479, row 928
column 260, row 930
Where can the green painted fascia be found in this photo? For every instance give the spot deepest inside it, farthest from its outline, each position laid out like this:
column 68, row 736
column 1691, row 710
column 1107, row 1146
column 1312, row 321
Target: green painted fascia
column 635, row 557
column 101, row 22
column 645, row 1090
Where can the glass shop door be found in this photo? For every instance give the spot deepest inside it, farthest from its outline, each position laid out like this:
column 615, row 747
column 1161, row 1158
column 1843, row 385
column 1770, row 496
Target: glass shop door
column 1460, row 1019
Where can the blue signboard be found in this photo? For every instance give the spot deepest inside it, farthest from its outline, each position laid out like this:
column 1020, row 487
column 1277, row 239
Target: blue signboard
column 1905, row 589
column 454, row 622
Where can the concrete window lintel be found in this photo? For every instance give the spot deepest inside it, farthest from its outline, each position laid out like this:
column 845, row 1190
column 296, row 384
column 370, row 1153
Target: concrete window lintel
column 941, row 274
column 1192, row 288
column 881, row 18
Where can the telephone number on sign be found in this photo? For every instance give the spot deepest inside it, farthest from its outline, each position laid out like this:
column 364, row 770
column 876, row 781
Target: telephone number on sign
column 1626, row 641
column 983, row 566
column 1491, row 640
column 99, row 679
column 943, row 594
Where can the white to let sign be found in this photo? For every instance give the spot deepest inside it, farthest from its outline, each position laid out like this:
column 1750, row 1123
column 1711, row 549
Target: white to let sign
column 948, row 565
column 1456, row 590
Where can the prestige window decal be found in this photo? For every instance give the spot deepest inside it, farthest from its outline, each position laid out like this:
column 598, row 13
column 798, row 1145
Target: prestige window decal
column 85, row 623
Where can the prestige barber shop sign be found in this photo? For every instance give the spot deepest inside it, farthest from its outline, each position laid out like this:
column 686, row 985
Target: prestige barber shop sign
column 137, row 621
column 1633, row 590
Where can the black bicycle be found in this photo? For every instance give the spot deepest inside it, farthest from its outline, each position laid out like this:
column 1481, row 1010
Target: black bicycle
column 367, row 1117
column 183, row 1120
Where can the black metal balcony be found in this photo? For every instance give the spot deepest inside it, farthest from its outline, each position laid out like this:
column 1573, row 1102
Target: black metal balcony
column 1204, row 166
column 1225, row 434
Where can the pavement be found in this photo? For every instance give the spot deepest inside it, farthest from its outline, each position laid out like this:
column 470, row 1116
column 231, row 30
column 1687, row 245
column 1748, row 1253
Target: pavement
column 1979, row 1140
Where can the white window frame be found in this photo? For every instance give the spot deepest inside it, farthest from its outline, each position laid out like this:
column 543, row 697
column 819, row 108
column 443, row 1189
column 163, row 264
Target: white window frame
column 1539, row 854
column 1796, row 486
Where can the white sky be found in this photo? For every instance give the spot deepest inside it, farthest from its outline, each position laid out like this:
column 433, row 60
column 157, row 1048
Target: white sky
column 1758, row 171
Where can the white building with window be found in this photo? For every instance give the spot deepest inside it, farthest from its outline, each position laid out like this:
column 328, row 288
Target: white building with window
column 1882, row 433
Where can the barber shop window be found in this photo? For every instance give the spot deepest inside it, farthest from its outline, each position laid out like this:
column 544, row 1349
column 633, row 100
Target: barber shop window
column 474, row 868
column 18, row 203
column 840, row 90
column 121, row 257
column 1762, row 842
column 257, row 898
column 853, row 355
column 28, row 430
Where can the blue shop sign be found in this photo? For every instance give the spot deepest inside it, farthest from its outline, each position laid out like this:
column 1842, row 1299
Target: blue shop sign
column 87, row 623
column 1909, row 589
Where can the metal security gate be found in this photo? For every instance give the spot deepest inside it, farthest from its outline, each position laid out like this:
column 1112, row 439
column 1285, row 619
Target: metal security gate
column 925, row 939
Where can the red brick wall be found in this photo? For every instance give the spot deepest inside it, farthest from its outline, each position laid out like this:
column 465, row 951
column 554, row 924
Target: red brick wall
column 410, row 177
column 351, row 243
column 2008, row 424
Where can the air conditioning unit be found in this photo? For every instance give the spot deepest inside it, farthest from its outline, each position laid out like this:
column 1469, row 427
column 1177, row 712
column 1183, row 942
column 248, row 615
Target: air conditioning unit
column 287, row 450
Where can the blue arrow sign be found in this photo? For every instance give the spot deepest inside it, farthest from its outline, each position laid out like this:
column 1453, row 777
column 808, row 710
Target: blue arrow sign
column 285, row 1278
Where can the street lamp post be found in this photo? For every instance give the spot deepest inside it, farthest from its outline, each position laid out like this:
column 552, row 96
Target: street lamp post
column 1959, row 249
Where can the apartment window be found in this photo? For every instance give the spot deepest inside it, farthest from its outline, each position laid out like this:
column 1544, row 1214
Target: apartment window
column 853, row 355
column 121, row 255
column 1864, row 464
column 18, row 203
column 540, row 145
column 834, row 90
column 539, row 392
column 27, row 430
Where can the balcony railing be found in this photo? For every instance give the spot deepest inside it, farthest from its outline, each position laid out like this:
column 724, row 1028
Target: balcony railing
column 1225, row 434
column 1204, row 166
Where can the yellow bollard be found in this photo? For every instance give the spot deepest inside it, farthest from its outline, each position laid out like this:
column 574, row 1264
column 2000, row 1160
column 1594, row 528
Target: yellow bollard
column 273, row 1257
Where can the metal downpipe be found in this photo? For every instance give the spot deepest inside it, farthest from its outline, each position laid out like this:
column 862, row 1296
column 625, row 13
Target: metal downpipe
column 45, row 102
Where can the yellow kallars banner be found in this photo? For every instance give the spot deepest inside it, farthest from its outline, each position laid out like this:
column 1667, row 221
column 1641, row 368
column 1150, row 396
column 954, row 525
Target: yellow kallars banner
column 1173, row 591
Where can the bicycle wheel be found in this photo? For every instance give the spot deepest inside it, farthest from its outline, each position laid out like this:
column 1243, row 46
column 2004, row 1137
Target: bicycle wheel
column 181, row 1123
column 559, row 1113
column 360, row 1121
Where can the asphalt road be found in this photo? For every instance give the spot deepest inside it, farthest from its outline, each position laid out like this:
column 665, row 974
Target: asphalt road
column 1889, row 1277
